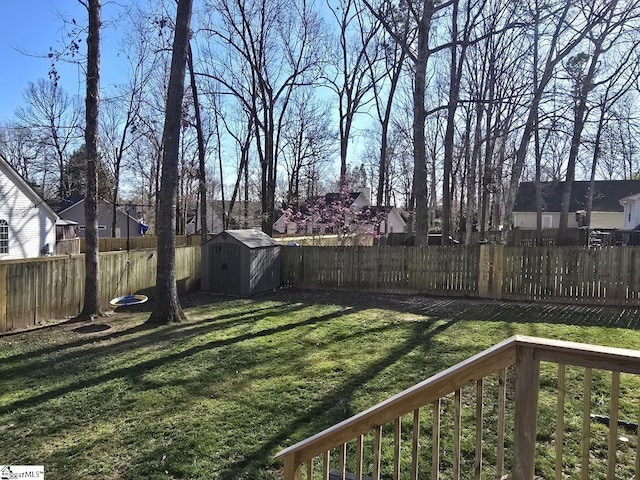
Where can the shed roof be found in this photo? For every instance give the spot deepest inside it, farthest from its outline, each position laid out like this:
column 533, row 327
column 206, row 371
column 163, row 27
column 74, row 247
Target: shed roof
column 250, row 238
column 606, row 196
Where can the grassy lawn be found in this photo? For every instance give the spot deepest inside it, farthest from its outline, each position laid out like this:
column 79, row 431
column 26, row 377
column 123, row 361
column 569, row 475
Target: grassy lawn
column 217, row 397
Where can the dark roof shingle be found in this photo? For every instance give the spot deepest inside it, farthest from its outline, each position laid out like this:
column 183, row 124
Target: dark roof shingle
column 606, row 197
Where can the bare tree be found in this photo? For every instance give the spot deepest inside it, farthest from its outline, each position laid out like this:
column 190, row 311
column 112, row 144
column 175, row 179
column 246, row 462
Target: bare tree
column 385, row 76
column 271, row 50
column 583, row 69
column 54, row 118
column 616, row 135
column 569, row 26
column 202, row 178
column 24, row 152
column 351, row 81
column 167, row 307
column 121, row 120
column 308, row 144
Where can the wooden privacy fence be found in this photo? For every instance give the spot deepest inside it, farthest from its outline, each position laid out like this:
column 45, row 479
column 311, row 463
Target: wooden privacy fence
column 37, row 290
column 410, row 270
column 109, row 244
column 70, row 246
column 604, row 276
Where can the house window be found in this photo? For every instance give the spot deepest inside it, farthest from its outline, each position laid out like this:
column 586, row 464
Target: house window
column 4, row 237
column 547, row 221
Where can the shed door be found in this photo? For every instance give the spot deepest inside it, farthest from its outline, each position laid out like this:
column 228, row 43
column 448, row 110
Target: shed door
column 225, row 274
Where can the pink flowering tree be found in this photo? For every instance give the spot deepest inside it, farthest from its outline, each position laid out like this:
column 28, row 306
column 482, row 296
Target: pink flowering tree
column 336, row 214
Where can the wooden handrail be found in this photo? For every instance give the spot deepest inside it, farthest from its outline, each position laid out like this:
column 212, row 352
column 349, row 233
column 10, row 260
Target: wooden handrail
column 582, row 354
column 526, row 352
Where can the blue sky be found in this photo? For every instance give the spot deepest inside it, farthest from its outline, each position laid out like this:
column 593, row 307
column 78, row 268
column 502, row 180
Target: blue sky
column 28, row 28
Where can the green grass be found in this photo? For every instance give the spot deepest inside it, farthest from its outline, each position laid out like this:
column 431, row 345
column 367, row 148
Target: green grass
column 217, row 397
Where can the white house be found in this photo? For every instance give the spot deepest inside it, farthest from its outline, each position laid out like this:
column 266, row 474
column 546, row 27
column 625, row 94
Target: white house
column 608, row 212
column 27, row 223
column 394, row 221
column 631, row 205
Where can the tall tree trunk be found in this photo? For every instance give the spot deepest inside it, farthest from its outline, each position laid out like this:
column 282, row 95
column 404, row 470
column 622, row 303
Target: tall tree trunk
column 167, row 307
column 538, row 184
column 419, row 148
column 488, row 174
column 537, row 147
column 594, row 162
column 452, row 105
column 470, row 179
column 202, row 176
column 242, row 170
column 92, row 305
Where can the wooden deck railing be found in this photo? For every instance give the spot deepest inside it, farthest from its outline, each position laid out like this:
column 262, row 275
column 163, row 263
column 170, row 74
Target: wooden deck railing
column 418, row 433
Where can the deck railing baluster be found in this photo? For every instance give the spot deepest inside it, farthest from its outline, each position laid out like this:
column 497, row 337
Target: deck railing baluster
column 560, row 420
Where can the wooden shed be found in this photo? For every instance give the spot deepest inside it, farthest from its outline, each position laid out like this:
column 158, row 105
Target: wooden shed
column 240, row 262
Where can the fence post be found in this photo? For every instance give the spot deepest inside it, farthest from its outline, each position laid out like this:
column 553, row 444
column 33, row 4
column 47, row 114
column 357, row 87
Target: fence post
column 491, row 270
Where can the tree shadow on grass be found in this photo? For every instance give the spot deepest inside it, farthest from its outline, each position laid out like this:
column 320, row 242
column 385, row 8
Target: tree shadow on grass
column 334, row 407
column 149, row 365
column 433, row 317
column 465, row 308
column 150, row 335
column 330, row 410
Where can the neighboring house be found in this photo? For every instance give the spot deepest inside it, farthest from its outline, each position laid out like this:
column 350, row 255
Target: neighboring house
column 389, row 219
column 72, row 209
column 395, row 221
column 607, row 213
column 27, row 223
column 244, row 215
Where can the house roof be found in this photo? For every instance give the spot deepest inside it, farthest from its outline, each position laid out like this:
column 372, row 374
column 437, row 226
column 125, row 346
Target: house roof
column 20, row 182
column 333, row 197
column 67, row 203
column 327, row 199
column 606, row 195
column 65, row 222
column 75, row 199
column 250, row 238
column 630, row 198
